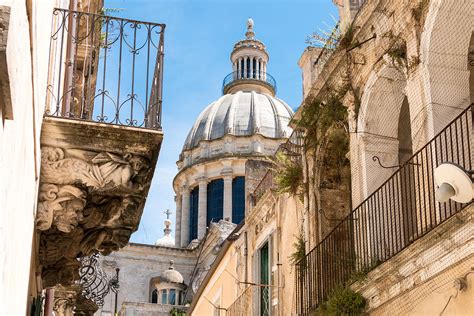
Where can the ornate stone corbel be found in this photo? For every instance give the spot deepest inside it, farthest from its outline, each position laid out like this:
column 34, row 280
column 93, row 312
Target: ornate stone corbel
column 87, row 202
column 64, row 301
column 60, row 206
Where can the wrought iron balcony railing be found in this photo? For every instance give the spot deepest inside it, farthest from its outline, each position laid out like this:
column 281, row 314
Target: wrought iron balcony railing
column 399, row 212
column 252, row 299
column 105, row 69
column 248, row 76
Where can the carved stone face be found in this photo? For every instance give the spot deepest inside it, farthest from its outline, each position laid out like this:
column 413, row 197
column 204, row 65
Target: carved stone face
column 137, row 163
column 70, row 216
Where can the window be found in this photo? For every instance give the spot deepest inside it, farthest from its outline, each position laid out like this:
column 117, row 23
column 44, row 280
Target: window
column 238, row 199
column 264, row 279
column 254, row 70
column 164, row 297
column 248, row 68
column 215, row 200
column 154, row 296
column 193, row 205
column 172, row 297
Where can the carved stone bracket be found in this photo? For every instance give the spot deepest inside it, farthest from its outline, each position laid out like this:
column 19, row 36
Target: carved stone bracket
column 64, row 301
column 88, row 201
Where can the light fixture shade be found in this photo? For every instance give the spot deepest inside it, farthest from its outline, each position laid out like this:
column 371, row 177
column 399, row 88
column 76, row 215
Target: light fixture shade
column 450, row 177
column 444, row 192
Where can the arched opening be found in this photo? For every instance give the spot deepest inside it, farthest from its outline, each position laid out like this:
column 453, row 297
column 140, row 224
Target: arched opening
column 385, row 145
column 378, row 138
column 193, row 213
column 215, row 201
column 447, row 83
column 254, row 69
column 248, row 68
column 407, row 180
column 238, row 199
column 154, row 296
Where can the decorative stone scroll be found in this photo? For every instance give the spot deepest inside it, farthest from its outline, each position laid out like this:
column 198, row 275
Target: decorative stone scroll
column 88, row 202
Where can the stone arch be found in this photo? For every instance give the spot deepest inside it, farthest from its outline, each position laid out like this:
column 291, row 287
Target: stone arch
column 444, row 89
column 377, row 130
column 384, row 131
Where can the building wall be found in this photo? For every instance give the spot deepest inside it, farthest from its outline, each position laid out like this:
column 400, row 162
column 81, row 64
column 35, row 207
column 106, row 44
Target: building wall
column 138, row 264
column 276, row 219
column 221, row 288
column 27, row 59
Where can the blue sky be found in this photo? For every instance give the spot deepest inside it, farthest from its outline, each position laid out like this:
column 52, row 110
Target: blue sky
column 198, row 40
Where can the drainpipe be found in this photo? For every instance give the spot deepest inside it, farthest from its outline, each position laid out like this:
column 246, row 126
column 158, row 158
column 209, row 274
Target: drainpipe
column 246, row 256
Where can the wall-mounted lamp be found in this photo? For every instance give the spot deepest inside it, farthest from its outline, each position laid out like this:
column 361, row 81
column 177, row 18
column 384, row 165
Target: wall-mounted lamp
column 453, row 182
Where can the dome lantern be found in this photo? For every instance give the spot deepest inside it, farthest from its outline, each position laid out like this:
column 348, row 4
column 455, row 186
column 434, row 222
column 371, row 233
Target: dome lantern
column 249, row 64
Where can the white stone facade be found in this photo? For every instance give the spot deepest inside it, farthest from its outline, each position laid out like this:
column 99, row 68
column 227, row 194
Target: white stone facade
column 26, row 32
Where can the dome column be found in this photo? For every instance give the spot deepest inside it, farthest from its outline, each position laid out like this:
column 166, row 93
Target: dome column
column 227, row 175
column 185, row 197
column 179, row 202
column 202, row 209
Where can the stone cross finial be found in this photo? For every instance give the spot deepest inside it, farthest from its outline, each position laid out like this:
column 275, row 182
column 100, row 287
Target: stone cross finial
column 168, row 213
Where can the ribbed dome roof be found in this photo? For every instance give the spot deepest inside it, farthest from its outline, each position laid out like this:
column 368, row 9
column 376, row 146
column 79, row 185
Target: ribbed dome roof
column 244, row 113
column 171, row 275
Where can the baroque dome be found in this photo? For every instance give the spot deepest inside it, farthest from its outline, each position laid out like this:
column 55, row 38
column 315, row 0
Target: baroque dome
column 171, row 275
column 243, row 113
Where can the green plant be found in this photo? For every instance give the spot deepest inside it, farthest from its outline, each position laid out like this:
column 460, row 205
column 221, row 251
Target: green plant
column 335, row 160
column 289, row 175
column 177, row 312
column 342, row 301
column 417, row 12
column 347, row 40
column 300, row 248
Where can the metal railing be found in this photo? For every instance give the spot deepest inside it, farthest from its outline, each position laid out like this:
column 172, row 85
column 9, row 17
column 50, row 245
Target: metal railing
column 105, row 69
column 247, row 75
column 254, row 298
column 399, row 212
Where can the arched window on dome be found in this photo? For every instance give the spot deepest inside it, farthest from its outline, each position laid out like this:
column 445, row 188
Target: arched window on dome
column 248, row 67
column 193, row 211
column 215, row 200
column 172, row 297
column 254, row 69
column 154, row 296
column 238, row 199
column 164, row 297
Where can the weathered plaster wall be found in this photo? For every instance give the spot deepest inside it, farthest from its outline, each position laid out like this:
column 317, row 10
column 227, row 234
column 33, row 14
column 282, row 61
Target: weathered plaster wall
column 27, row 59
